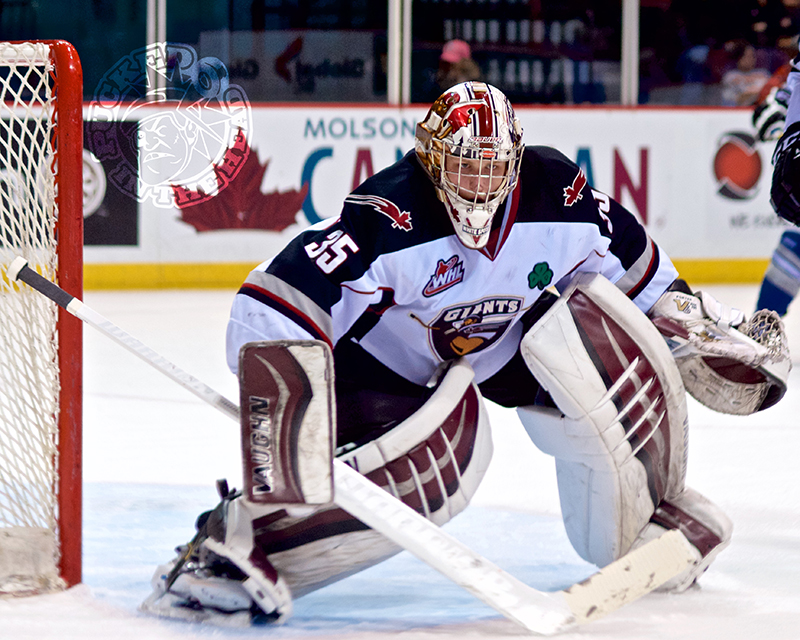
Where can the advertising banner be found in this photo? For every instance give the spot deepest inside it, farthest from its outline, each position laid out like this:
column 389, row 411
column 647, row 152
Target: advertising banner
column 695, row 177
column 298, row 65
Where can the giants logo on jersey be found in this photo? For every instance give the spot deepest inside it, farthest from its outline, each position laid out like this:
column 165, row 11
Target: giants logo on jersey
column 400, row 219
column 447, row 274
column 472, row 327
column 573, row 193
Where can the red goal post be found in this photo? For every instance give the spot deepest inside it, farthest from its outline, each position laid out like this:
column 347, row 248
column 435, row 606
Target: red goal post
column 41, row 345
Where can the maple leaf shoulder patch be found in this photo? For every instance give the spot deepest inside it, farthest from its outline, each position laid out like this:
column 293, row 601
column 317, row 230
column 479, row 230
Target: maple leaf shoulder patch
column 573, row 193
column 400, row 219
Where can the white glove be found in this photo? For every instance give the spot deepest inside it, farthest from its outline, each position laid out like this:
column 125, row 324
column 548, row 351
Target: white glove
column 769, row 116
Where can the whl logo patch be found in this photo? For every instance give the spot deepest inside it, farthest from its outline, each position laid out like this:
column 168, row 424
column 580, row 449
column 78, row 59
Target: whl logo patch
column 448, row 274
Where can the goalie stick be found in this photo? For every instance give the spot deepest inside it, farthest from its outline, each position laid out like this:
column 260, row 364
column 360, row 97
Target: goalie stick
column 542, row 613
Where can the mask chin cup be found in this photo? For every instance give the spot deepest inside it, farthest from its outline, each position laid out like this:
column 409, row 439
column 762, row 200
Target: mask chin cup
column 472, row 224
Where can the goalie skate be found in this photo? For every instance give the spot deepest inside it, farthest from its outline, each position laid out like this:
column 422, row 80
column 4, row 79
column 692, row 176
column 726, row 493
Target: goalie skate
column 216, row 579
column 197, row 595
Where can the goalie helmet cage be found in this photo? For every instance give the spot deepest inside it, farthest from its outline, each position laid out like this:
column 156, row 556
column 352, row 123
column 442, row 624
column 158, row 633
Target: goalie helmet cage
column 41, row 348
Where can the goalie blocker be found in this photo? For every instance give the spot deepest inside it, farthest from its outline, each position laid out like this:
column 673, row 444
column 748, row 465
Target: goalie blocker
column 286, row 401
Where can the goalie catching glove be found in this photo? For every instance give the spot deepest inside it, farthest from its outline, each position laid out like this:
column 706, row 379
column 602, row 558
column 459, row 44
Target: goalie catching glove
column 727, row 363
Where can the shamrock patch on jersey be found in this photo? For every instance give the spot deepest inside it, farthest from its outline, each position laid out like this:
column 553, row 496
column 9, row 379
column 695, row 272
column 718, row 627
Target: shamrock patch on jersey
column 472, row 327
column 541, row 276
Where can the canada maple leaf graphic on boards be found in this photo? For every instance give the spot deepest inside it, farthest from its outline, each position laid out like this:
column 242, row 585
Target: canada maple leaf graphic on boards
column 240, row 203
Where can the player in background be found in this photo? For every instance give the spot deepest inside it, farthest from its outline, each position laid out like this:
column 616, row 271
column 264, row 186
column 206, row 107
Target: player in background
column 469, row 250
column 775, row 119
column 781, row 281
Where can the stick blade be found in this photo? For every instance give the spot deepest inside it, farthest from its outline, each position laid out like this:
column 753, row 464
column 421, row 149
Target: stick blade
column 631, row 577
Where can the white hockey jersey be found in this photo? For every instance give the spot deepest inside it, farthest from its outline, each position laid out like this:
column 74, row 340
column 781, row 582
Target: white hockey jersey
column 390, row 274
column 792, row 80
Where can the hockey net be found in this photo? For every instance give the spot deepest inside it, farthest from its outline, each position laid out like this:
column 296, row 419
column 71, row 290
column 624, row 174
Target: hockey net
column 41, row 219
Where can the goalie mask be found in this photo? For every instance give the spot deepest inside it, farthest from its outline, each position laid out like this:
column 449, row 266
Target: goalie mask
column 470, row 144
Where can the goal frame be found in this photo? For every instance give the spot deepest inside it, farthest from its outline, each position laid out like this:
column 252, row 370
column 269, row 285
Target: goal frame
column 69, row 229
column 67, row 140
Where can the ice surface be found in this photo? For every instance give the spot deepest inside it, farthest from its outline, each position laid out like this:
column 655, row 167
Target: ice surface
column 153, row 452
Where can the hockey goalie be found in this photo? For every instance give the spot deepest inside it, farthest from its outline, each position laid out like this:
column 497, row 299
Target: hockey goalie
column 473, row 269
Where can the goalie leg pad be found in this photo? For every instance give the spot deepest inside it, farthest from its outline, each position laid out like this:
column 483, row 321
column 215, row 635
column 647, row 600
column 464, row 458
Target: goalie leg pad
column 433, row 461
column 619, row 434
column 703, row 524
column 604, row 497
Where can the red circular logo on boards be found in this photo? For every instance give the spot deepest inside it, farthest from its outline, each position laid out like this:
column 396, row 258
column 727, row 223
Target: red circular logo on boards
column 737, row 166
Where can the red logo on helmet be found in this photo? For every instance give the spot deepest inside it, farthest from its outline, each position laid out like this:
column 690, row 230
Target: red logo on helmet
column 400, row 219
column 573, row 193
column 460, row 115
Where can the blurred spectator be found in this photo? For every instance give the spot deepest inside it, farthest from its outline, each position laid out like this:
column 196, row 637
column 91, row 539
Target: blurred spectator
column 742, row 84
column 694, row 73
column 775, row 81
column 456, row 65
column 788, row 25
column 763, row 19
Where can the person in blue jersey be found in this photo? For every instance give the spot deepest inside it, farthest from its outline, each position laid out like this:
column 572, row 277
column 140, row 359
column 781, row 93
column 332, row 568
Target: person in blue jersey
column 776, row 117
column 474, row 253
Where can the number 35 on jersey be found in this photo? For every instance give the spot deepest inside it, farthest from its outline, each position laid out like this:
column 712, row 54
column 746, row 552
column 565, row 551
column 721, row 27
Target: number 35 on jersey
column 332, row 251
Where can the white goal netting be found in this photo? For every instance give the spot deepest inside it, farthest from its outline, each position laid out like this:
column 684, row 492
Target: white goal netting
column 29, row 374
